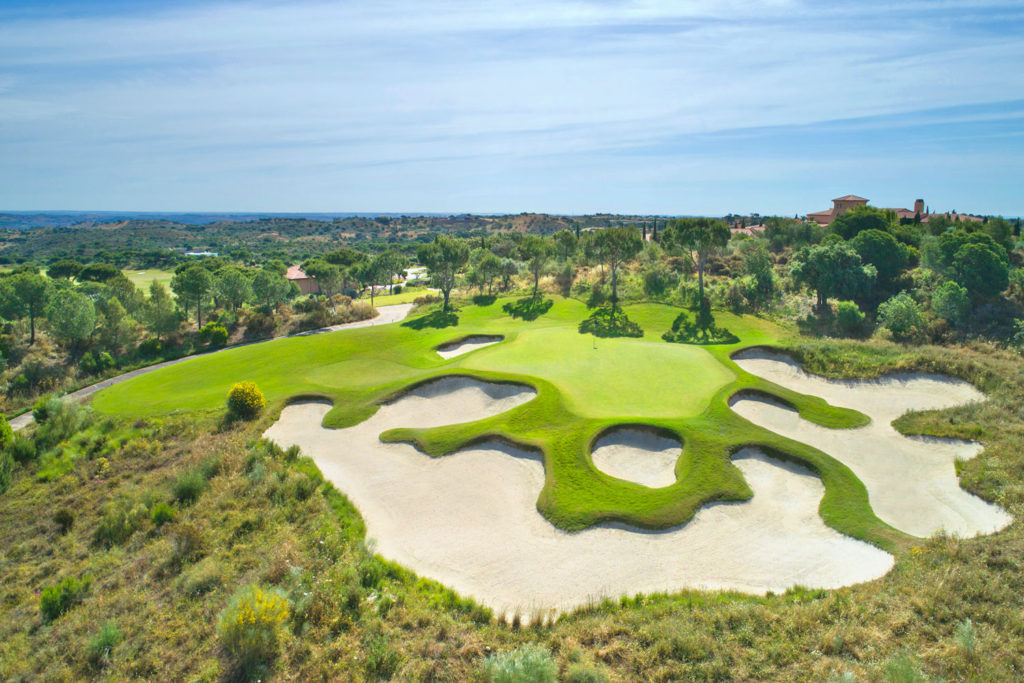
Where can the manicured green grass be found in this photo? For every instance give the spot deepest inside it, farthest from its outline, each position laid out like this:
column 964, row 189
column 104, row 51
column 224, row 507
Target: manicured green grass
column 142, row 278
column 585, row 386
column 406, row 296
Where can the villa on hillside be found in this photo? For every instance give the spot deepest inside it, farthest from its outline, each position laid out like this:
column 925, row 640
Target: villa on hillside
column 841, row 205
column 306, row 284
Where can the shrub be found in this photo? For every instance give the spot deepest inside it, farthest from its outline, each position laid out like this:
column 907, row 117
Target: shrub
column 151, row 348
column 381, row 659
column 6, row 433
column 188, row 486
column 245, row 400
column 397, row 289
column 6, row 470
column 251, row 624
column 102, row 644
column 44, row 408
column 951, row 302
column 214, row 335
column 161, row 514
column 58, row 599
column 900, row 315
column 64, row 519
column 23, row 449
column 527, row 664
column 849, row 318
column 121, row 518
column 966, row 637
column 259, row 324
column 581, row 673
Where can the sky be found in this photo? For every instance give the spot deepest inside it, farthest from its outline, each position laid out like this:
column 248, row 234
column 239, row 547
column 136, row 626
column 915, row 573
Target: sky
column 663, row 107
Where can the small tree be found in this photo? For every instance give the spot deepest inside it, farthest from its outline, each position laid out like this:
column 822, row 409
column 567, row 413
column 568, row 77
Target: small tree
column 30, row 293
column 444, row 258
column 160, row 314
column 232, row 287
column 832, row 270
column 270, row 289
column 849, row 318
column 566, row 242
column 758, row 264
column 489, row 268
column 245, row 400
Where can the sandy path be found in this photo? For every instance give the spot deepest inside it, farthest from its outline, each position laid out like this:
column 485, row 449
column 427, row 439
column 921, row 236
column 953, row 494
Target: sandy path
column 385, row 315
column 471, row 343
column 911, row 482
column 470, row 521
column 638, row 455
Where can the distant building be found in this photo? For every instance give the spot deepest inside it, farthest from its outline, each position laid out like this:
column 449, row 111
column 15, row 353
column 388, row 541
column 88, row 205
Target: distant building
column 200, row 253
column 841, row 205
column 306, row 284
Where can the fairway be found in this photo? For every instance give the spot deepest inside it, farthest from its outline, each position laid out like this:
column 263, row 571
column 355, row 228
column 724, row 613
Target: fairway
column 612, row 377
column 142, row 278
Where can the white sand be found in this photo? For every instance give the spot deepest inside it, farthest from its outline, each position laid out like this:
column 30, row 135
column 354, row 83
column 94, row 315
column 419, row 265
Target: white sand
column 911, row 482
column 638, row 455
column 471, row 343
column 470, row 521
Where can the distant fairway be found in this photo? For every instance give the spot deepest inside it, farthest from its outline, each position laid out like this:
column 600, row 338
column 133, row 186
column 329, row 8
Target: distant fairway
column 143, row 278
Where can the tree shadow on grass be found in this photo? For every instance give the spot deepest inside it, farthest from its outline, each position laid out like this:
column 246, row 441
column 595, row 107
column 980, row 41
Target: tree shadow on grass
column 610, row 321
column 437, row 319
column 528, row 308
column 484, row 299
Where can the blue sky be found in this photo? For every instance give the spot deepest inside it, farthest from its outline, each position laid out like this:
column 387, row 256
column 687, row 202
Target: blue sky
column 646, row 106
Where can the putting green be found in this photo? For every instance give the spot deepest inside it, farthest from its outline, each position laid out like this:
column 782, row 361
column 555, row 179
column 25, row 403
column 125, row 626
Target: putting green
column 624, row 378
column 584, row 385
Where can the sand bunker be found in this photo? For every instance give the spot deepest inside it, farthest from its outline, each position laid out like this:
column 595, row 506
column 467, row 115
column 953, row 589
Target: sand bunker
column 467, row 344
column 639, row 455
column 911, row 482
column 469, row 520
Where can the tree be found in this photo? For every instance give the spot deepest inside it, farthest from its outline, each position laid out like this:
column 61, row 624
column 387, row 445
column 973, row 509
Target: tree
column 534, row 251
column 700, row 237
column 950, row 302
column 758, row 264
column 98, row 272
column 345, row 257
column 160, row 314
column 370, row 272
column 117, row 328
column 232, row 287
column 270, row 289
column 981, row 270
column 31, row 293
column 488, row 268
column 859, row 219
column 832, row 270
column 444, row 258
column 900, row 314
column 65, row 268
column 881, row 250
column 194, row 284
column 509, row 270
column 328, row 277
column 615, row 247
column 71, row 317
column 566, row 242
column 393, row 262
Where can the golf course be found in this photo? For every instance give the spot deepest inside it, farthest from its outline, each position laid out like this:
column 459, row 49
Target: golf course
column 377, row 407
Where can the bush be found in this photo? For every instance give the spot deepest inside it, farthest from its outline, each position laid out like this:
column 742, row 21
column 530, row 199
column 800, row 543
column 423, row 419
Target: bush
column 102, row 643
column 900, row 315
column 260, row 324
column 245, row 400
column 213, row 335
column 121, row 518
column 397, row 289
column 188, row 486
column 64, row 519
column 96, row 362
column 581, row 673
column 151, row 348
column 6, row 470
column 161, row 514
column 58, row 599
column 849, row 318
column 251, row 624
column 951, row 302
column 527, row 664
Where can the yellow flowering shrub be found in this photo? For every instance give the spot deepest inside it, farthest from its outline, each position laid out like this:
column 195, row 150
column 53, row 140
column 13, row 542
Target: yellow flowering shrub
column 245, row 400
column 251, row 624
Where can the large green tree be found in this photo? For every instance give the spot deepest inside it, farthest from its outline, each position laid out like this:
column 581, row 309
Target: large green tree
column 444, row 258
column 981, row 271
column 566, row 242
column 616, row 247
column 395, row 263
column 699, row 238
column 232, row 287
column 880, row 249
column 270, row 289
column 833, row 269
column 859, row 219
column 26, row 294
column 160, row 314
